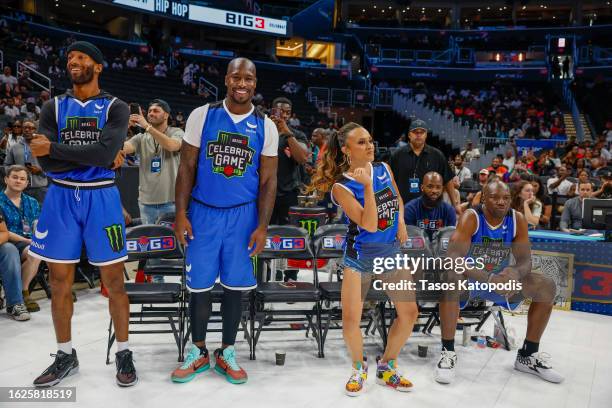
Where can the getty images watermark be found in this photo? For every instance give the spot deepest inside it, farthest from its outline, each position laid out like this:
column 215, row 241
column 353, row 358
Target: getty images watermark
column 459, row 265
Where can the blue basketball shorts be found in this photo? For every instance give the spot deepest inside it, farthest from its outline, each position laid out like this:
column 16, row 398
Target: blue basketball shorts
column 219, row 249
column 72, row 217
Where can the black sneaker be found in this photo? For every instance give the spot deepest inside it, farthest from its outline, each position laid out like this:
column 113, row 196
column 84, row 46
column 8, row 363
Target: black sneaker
column 64, row 365
column 126, row 372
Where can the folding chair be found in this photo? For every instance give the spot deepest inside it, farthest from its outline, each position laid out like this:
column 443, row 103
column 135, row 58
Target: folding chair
column 155, row 242
column 419, row 246
column 284, row 242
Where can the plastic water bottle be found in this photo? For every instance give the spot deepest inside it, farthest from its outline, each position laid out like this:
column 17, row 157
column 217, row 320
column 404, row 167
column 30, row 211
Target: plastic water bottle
column 482, row 342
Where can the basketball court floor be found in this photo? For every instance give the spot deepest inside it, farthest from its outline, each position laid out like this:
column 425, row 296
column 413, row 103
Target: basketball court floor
column 578, row 342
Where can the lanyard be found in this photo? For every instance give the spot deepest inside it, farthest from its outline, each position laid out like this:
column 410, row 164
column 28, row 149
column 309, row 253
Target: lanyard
column 27, row 152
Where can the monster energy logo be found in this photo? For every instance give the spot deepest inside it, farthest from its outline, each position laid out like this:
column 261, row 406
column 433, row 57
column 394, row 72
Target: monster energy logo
column 309, row 225
column 114, row 233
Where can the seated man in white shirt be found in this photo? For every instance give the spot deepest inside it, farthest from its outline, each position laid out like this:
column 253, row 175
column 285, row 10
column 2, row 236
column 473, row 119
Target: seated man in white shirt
column 560, row 184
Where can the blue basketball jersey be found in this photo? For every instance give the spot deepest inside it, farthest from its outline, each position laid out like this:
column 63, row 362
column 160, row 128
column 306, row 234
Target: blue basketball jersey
column 81, row 123
column 359, row 242
column 493, row 244
column 228, row 165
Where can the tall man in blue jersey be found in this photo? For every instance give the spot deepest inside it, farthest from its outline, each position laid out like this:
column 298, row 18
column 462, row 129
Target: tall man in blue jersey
column 225, row 193
column 496, row 232
column 79, row 137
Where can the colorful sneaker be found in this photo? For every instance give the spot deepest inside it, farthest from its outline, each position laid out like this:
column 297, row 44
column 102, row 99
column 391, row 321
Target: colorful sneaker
column 126, row 372
column 356, row 384
column 64, row 365
column 196, row 362
column 226, row 365
column 538, row 364
column 387, row 374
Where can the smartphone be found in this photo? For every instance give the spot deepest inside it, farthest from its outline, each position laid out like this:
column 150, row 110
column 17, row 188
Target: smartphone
column 134, row 109
column 275, row 112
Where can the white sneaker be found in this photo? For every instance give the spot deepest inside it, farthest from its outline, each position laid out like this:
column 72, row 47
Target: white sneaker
column 445, row 369
column 538, row 364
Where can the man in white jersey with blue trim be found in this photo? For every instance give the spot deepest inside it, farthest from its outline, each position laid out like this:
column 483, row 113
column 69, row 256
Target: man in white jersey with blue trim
column 225, row 192
column 79, row 137
column 495, row 233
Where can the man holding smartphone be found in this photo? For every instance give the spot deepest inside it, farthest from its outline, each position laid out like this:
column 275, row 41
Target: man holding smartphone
column 158, row 147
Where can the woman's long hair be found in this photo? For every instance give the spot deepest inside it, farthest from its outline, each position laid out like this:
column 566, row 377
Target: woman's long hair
column 517, row 201
column 333, row 163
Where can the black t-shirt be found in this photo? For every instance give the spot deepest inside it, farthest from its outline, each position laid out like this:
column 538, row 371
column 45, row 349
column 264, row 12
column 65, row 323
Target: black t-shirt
column 288, row 174
column 407, row 165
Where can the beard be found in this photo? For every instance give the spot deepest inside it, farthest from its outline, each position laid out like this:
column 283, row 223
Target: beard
column 85, row 77
column 432, row 203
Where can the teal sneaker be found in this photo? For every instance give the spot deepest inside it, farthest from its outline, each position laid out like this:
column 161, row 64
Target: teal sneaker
column 196, row 362
column 227, row 366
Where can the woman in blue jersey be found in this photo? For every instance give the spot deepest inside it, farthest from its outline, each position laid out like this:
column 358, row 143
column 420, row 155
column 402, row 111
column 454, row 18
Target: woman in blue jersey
column 369, row 197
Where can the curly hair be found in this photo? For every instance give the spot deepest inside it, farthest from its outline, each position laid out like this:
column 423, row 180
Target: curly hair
column 333, row 163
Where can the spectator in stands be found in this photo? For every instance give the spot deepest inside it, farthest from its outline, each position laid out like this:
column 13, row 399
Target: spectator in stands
column 8, row 79
column 543, row 166
column 29, row 61
column 319, row 140
column 462, row 172
column 525, row 202
column 20, row 212
column 571, row 218
column 21, row 154
column 470, row 153
column 544, row 131
column 597, row 164
column 429, row 211
column 11, row 110
column 55, row 71
column 532, row 131
column 540, row 192
column 605, row 191
column 519, row 171
column 13, row 137
column 410, row 164
column 158, row 148
column 132, row 62
column 293, row 121
column 160, row 70
column 180, row 119
column 30, row 110
column 516, row 132
column 510, row 157
column 552, row 156
column 10, row 272
column 497, row 167
column 117, row 64
column 560, row 184
column 213, row 70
